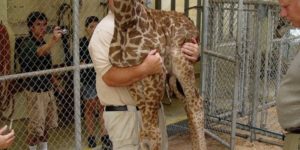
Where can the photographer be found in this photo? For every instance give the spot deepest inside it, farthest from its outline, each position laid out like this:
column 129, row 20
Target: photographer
column 36, row 56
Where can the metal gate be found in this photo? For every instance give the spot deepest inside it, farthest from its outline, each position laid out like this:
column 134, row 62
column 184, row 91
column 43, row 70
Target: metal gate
column 244, row 56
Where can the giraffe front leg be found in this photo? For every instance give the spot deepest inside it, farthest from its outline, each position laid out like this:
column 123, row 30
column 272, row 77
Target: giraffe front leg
column 195, row 113
column 196, row 122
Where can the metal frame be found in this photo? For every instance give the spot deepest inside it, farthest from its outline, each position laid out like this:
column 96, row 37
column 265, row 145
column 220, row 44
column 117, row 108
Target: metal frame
column 209, row 66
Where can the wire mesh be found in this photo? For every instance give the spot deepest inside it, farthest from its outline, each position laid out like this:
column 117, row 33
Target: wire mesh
column 37, row 89
column 264, row 58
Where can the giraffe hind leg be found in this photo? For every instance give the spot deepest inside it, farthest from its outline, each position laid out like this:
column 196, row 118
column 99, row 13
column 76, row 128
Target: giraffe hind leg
column 192, row 101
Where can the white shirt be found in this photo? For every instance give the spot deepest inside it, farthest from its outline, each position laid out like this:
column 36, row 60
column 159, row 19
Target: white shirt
column 99, row 51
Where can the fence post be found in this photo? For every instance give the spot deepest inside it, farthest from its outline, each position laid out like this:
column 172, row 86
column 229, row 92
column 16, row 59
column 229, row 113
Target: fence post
column 239, row 48
column 204, row 45
column 76, row 80
column 186, row 7
column 269, row 38
column 199, row 10
column 173, row 4
column 157, row 4
column 256, row 87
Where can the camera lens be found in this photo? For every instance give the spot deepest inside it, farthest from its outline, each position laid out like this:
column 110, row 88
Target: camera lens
column 64, row 31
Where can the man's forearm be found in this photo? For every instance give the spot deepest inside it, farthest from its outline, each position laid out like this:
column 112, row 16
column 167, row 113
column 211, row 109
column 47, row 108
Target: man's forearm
column 45, row 49
column 126, row 76
column 117, row 77
column 55, row 81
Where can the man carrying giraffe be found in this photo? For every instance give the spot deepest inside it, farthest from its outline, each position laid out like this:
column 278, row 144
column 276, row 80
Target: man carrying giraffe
column 121, row 116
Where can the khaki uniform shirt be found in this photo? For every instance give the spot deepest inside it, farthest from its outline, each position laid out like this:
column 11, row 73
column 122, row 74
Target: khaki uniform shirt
column 288, row 101
column 99, row 50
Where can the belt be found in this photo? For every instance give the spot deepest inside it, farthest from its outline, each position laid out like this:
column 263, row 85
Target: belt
column 121, row 108
column 294, row 130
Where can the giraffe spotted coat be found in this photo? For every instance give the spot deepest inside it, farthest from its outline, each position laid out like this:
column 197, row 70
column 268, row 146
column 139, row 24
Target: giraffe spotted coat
column 139, row 30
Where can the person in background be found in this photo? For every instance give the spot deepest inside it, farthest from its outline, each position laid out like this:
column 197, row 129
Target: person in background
column 6, row 139
column 122, row 118
column 288, row 100
column 35, row 55
column 88, row 89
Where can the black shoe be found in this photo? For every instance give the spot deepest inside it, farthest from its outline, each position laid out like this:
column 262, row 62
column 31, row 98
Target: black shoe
column 92, row 142
column 106, row 143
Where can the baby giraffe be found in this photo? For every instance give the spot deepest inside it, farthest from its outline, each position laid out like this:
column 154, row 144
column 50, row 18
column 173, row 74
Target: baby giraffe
column 138, row 30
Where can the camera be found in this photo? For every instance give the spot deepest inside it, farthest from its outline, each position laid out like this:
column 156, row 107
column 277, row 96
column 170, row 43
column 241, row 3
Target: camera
column 63, row 29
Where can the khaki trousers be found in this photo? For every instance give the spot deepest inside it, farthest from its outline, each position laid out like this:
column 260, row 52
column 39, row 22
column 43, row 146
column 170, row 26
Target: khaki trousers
column 123, row 128
column 292, row 141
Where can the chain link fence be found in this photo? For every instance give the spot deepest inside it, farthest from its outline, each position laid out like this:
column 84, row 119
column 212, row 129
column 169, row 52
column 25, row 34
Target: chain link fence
column 32, row 82
column 62, row 79
column 245, row 55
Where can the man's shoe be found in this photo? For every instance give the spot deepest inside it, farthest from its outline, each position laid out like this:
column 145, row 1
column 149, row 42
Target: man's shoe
column 106, row 143
column 92, row 142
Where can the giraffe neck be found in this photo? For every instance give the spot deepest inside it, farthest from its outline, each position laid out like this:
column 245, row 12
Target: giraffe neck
column 126, row 12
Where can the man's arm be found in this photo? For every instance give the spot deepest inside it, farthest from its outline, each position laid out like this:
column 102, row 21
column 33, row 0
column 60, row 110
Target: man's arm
column 117, row 77
column 45, row 49
column 54, row 80
column 126, row 76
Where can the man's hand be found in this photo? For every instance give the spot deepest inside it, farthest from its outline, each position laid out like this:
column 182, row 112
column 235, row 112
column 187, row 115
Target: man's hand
column 191, row 51
column 153, row 63
column 46, row 48
column 6, row 139
column 57, row 34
